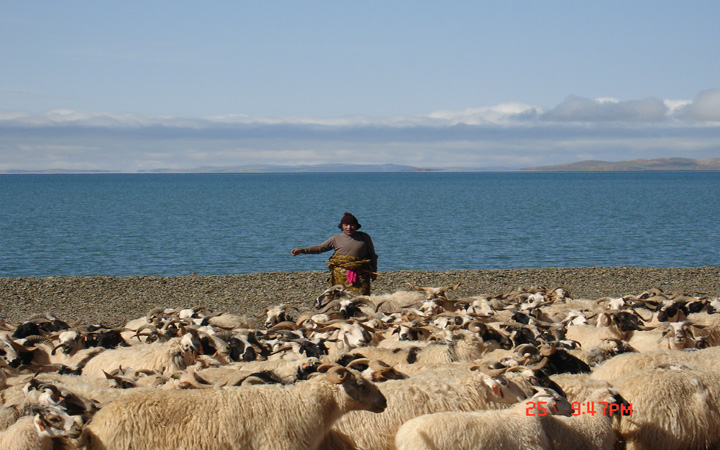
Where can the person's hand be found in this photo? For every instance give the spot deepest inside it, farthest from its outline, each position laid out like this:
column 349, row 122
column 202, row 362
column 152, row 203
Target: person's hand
column 296, row 251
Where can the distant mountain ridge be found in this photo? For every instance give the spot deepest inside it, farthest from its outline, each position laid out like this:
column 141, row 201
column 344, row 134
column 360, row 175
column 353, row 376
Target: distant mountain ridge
column 659, row 164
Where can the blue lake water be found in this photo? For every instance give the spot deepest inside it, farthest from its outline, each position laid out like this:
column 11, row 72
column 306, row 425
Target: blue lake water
column 217, row 224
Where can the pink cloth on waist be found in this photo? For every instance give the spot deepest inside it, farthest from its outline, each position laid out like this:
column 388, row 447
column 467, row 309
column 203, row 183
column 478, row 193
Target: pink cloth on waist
column 352, row 276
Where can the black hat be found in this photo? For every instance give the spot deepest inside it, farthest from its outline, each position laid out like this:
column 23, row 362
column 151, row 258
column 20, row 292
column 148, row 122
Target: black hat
column 349, row 219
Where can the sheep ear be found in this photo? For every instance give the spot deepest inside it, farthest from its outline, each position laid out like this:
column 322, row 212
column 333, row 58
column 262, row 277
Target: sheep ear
column 40, row 424
column 337, row 375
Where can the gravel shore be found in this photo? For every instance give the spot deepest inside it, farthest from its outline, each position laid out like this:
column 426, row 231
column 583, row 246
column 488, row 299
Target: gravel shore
column 114, row 300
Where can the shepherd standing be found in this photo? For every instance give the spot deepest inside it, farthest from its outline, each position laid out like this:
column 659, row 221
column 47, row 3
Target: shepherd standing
column 354, row 262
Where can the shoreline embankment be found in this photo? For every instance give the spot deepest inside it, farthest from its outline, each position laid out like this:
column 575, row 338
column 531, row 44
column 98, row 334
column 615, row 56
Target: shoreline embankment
column 113, row 301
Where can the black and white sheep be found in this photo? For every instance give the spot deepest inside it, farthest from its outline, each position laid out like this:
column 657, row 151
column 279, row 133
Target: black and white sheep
column 37, row 431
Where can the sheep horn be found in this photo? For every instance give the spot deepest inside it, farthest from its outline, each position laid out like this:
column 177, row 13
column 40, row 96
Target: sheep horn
column 364, row 301
column 337, row 375
column 525, row 348
column 379, row 304
column 284, row 326
column 303, row 317
column 354, row 362
column 329, row 305
column 196, row 381
column 543, row 362
column 55, row 348
column 641, row 317
column 547, row 349
column 150, row 327
column 489, row 371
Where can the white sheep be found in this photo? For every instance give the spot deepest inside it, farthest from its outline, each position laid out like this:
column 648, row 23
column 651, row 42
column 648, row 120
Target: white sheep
column 165, row 357
column 99, row 389
column 594, row 424
column 705, row 359
column 8, row 416
column 232, row 373
column 517, row 428
column 36, row 432
column 387, row 303
column 589, row 336
column 672, row 408
column 423, row 394
column 259, row 417
column 578, row 386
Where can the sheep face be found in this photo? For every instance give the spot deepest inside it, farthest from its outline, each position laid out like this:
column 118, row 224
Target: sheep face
column 549, row 400
column 677, row 335
column 502, row 390
column 407, row 333
column 69, row 341
column 187, row 351
column 9, row 352
column 672, row 312
column 52, row 421
column 575, row 317
column 481, row 307
column 363, row 394
column 616, row 303
column 274, row 315
column 330, row 294
column 430, row 308
column 354, row 335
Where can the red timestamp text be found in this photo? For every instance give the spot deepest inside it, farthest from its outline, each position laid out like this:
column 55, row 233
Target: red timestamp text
column 601, row 408
column 580, row 408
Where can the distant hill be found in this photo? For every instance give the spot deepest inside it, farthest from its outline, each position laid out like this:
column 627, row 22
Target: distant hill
column 673, row 164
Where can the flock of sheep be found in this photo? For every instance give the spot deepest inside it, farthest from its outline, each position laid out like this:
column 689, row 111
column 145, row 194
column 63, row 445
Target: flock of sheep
column 424, row 368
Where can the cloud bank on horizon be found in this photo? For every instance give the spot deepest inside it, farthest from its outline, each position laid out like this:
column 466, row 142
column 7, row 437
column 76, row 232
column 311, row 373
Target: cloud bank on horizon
column 509, row 135
column 129, row 86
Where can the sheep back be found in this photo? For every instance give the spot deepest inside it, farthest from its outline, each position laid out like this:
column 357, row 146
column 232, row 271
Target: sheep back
column 262, row 417
column 422, row 394
column 671, row 409
column 510, row 429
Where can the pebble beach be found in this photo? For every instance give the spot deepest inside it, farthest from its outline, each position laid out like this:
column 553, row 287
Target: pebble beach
column 113, row 301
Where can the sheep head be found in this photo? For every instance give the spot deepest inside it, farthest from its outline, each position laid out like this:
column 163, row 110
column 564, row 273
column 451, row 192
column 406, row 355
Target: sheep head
column 332, row 293
column 363, row 394
column 52, row 421
column 498, row 388
column 551, row 401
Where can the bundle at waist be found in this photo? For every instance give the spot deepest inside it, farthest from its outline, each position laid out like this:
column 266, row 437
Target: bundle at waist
column 350, row 263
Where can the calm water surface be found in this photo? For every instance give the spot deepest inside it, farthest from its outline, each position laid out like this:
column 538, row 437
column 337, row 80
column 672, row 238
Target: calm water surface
column 216, row 224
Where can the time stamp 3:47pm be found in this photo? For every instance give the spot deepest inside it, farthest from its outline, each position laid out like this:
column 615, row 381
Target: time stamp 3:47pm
column 580, row 408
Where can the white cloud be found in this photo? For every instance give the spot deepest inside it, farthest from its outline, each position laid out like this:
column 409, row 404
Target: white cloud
column 705, row 107
column 580, row 109
column 486, row 115
column 508, row 135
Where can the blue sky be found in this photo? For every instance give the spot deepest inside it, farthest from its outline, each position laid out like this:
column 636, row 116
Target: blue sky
column 143, row 85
